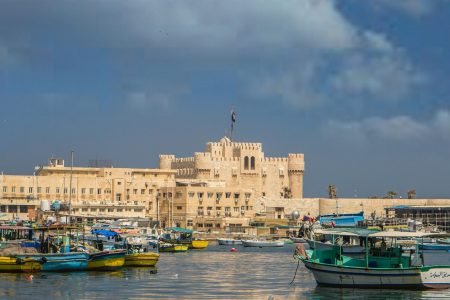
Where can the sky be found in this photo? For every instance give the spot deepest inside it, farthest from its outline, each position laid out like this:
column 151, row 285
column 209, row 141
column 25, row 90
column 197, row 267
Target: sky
column 360, row 87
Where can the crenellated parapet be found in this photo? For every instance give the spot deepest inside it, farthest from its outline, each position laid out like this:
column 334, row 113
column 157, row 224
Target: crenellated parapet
column 165, row 161
column 203, row 161
column 296, row 163
column 275, row 160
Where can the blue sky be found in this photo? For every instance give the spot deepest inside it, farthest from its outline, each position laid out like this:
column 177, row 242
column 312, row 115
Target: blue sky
column 360, row 87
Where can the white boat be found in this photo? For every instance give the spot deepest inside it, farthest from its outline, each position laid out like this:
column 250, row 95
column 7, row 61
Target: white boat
column 381, row 267
column 225, row 241
column 297, row 239
column 257, row 243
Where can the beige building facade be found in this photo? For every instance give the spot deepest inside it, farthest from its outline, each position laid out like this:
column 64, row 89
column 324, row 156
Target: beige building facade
column 90, row 192
column 229, row 187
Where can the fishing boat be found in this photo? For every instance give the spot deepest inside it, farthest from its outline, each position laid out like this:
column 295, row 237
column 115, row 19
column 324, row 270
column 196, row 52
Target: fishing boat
column 106, row 260
column 19, row 265
column 346, row 248
column 229, row 241
column 58, row 262
column 177, row 235
column 297, row 239
column 262, row 243
column 434, row 246
column 382, row 266
column 144, row 259
column 167, row 247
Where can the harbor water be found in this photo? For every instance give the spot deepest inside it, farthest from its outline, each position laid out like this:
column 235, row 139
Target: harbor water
column 214, row 273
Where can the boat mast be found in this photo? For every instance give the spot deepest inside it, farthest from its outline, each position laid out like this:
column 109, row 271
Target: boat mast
column 70, row 184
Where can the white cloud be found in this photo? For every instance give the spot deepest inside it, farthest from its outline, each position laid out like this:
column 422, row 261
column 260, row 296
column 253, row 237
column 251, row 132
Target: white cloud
column 154, row 97
column 398, row 128
column 292, row 87
column 411, row 7
column 389, row 76
column 308, row 53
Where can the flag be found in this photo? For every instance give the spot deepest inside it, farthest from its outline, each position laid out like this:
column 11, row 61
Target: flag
column 233, row 116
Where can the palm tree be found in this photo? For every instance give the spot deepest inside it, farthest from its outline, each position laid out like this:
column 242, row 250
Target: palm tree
column 391, row 194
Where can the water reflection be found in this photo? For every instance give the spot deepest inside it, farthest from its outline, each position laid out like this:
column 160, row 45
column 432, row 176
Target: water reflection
column 215, row 273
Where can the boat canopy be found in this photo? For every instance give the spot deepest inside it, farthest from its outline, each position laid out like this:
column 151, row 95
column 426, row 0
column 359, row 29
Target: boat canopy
column 104, row 232
column 179, row 229
column 376, row 233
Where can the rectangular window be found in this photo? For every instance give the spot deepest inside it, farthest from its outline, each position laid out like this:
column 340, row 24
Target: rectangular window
column 5, row 189
column 135, row 191
column 84, row 209
column 178, row 195
column 210, row 195
column 200, row 195
column 119, row 210
column 191, row 194
column 13, row 189
column 118, row 196
column 23, row 209
column 83, row 191
column 57, row 190
column 93, row 209
column 39, row 190
column 22, row 189
column 179, row 207
column 30, row 190
column 47, row 190
column 110, row 209
column 236, row 196
column 102, row 210
column 91, row 191
column 65, row 190
column 218, row 208
column 142, row 191
column 99, row 191
column 227, row 195
column 236, row 209
column 12, row 208
column 3, row 208
column 73, row 191
column 189, row 222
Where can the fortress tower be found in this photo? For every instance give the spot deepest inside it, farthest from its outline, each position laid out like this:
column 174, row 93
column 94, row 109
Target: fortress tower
column 296, row 168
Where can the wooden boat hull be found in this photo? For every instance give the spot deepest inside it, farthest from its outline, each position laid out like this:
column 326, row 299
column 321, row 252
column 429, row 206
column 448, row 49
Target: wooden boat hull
column 199, row 244
column 250, row 243
column 19, row 265
column 148, row 259
column 354, row 277
column 58, row 262
column 229, row 242
column 106, row 260
column 173, row 248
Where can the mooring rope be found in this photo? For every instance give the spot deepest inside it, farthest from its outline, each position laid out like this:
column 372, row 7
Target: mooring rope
column 298, row 263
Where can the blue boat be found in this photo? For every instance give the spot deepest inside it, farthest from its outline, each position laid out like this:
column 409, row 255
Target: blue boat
column 58, row 262
column 433, row 246
column 342, row 220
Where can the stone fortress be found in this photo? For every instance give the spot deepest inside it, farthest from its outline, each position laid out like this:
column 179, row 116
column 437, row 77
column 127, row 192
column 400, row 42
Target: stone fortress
column 227, row 188
column 242, row 165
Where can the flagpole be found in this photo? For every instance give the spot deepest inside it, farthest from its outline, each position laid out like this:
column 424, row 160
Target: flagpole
column 233, row 120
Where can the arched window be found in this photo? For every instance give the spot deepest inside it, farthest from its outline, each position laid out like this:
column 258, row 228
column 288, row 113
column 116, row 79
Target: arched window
column 246, row 163
column 252, row 163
